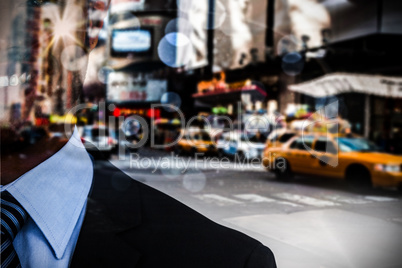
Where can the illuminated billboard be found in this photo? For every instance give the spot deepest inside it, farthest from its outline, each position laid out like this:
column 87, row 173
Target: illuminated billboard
column 131, row 41
column 192, row 26
column 124, row 87
column 117, row 6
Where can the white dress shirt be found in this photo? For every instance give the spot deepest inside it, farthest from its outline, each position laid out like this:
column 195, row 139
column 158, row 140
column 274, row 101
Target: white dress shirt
column 54, row 194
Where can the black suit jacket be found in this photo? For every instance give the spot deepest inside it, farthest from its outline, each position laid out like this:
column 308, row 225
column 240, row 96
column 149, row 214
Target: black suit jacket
column 129, row 224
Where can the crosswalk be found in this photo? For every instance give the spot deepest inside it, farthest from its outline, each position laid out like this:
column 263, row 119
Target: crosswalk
column 306, row 200
column 254, row 198
column 292, row 200
column 217, row 199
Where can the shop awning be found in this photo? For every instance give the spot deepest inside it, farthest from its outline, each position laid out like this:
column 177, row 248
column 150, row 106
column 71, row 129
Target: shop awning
column 337, row 83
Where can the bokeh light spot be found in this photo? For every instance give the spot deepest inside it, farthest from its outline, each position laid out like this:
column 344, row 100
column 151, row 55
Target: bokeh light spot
column 171, row 100
column 292, row 63
column 175, row 50
column 179, row 25
column 103, row 74
column 194, row 182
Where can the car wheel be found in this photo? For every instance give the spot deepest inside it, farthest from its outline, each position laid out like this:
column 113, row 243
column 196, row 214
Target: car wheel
column 400, row 188
column 178, row 150
column 221, row 154
column 282, row 170
column 358, row 177
column 241, row 157
column 193, row 151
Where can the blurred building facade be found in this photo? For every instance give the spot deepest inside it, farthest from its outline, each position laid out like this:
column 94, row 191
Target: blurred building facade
column 42, row 63
column 125, row 69
column 266, row 55
column 347, row 52
column 18, row 67
column 178, row 46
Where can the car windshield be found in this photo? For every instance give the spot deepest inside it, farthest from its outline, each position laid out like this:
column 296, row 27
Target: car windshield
column 356, row 145
column 257, row 138
column 205, row 137
column 285, row 137
column 202, row 136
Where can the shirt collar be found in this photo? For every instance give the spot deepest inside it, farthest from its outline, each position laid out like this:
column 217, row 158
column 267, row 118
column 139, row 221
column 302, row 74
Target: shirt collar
column 54, row 192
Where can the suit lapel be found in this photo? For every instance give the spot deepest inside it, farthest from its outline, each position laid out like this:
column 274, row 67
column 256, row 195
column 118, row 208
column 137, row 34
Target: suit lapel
column 113, row 207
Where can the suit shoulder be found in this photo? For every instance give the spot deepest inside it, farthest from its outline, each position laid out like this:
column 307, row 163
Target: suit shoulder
column 261, row 257
column 167, row 231
column 188, row 227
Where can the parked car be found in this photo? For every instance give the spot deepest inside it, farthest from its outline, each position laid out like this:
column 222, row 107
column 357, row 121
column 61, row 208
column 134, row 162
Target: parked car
column 254, row 123
column 97, row 139
column 348, row 157
column 245, row 147
column 195, row 141
column 166, row 132
column 123, row 142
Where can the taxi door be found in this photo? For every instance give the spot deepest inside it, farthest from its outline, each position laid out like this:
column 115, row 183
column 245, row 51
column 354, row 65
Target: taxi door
column 326, row 160
column 299, row 156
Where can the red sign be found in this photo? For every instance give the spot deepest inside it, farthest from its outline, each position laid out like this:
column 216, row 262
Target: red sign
column 151, row 113
column 42, row 121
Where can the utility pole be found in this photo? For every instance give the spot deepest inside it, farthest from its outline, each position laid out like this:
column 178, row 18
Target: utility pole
column 210, row 37
column 269, row 35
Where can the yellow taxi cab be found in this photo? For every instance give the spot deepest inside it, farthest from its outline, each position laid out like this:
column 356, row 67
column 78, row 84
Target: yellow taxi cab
column 349, row 157
column 195, row 141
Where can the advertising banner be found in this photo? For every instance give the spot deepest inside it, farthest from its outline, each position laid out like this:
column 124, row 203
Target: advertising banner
column 240, row 30
column 117, row 6
column 192, row 25
column 124, row 87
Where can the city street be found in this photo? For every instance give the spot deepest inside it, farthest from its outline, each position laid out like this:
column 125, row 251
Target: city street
column 308, row 222
column 242, row 110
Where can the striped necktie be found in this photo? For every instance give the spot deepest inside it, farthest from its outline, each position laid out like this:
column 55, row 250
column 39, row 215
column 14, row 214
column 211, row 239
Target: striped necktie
column 13, row 216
